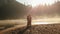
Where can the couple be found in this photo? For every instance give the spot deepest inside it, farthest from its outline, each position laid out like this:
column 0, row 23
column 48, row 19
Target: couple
column 29, row 19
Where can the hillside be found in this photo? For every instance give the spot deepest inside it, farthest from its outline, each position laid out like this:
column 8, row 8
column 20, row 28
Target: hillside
column 12, row 10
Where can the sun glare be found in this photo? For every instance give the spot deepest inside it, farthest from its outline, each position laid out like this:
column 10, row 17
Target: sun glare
column 34, row 3
column 42, row 2
column 38, row 23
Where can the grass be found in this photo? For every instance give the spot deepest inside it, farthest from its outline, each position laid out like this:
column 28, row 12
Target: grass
column 37, row 29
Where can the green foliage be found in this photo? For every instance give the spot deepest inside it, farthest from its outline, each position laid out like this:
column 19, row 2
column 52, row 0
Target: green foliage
column 12, row 10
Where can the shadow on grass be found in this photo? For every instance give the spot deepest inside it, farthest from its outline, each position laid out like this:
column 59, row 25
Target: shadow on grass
column 22, row 32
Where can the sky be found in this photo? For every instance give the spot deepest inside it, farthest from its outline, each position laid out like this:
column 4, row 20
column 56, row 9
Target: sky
column 37, row 2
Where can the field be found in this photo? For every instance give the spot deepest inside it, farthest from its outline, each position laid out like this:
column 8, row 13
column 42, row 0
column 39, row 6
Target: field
column 35, row 29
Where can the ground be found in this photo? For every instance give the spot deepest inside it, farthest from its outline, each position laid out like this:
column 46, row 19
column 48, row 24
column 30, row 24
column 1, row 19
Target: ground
column 36, row 29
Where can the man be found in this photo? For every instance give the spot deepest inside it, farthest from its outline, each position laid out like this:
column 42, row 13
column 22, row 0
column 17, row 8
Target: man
column 29, row 21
